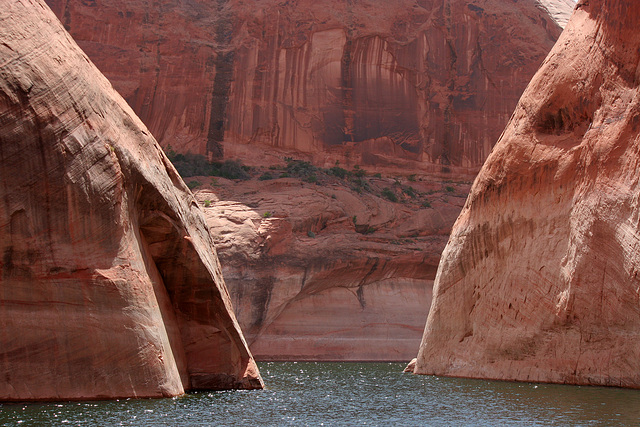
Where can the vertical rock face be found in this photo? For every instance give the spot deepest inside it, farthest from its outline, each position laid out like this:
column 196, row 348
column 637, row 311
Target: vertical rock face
column 539, row 281
column 109, row 286
column 424, row 84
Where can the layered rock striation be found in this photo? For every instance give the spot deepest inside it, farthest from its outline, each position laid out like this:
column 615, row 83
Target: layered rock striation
column 321, row 272
column 423, row 85
column 539, row 281
column 109, row 283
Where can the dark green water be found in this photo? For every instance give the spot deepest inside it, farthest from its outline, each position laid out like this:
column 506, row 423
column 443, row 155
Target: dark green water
column 371, row 394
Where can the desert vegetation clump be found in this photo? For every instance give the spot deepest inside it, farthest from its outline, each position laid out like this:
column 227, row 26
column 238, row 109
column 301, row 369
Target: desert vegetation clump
column 189, row 165
column 388, row 194
column 299, row 168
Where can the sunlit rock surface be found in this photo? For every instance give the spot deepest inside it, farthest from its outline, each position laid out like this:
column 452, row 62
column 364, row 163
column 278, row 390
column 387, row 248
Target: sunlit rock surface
column 320, row 272
column 401, row 87
column 109, row 283
column 539, row 281
column 402, row 84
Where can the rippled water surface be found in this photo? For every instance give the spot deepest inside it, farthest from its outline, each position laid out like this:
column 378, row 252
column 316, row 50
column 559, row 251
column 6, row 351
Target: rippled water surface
column 329, row 394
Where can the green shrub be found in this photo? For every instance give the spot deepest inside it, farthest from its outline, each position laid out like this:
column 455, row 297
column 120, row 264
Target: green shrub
column 426, row 204
column 339, row 172
column 193, row 184
column 450, row 189
column 410, row 191
column 388, row 194
column 267, row 215
column 233, row 169
column 311, row 179
column 360, row 184
column 207, row 203
column 311, row 234
column 412, row 177
column 359, row 172
column 377, row 175
column 265, row 177
column 299, row 168
column 189, row 165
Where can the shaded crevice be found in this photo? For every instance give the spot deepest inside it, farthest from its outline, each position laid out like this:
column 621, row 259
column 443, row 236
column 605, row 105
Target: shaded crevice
column 224, row 64
column 448, row 128
column 192, row 301
column 346, row 83
column 260, row 300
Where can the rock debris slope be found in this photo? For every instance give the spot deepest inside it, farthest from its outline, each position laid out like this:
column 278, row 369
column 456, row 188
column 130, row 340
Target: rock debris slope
column 539, row 281
column 109, row 286
column 426, row 85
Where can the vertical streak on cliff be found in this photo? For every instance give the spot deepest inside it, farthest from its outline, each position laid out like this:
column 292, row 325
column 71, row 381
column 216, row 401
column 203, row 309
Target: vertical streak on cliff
column 348, row 111
column 222, row 81
column 273, row 95
column 448, row 137
column 66, row 21
column 146, row 109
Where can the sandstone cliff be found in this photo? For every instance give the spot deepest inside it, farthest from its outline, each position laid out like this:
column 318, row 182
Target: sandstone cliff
column 539, row 281
column 319, row 271
column 109, row 286
column 400, row 87
column 424, row 85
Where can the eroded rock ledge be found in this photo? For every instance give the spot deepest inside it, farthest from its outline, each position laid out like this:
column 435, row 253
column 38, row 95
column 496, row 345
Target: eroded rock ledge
column 319, row 271
column 109, row 283
column 539, row 281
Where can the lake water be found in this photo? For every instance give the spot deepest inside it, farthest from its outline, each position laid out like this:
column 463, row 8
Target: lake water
column 359, row 394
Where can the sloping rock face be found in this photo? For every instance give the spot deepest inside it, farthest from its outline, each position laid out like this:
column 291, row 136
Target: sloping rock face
column 560, row 10
column 320, row 272
column 109, row 283
column 426, row 85
column 539, row 281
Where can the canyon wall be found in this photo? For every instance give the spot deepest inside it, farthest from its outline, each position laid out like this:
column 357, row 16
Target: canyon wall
column 320, row 272
column 109, row 283
column 423, row 85
column 401, row 87
column 539, row 281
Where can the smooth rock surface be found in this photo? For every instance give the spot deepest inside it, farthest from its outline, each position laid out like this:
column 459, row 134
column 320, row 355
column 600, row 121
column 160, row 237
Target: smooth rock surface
column 539, row 281
column 411, row 366
column 109, row 283
column 419, row 85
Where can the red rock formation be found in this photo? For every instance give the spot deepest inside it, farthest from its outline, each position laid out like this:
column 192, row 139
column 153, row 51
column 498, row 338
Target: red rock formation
column 109, row 285
column 330, row 274
column 426, row 85
column 539, row 281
